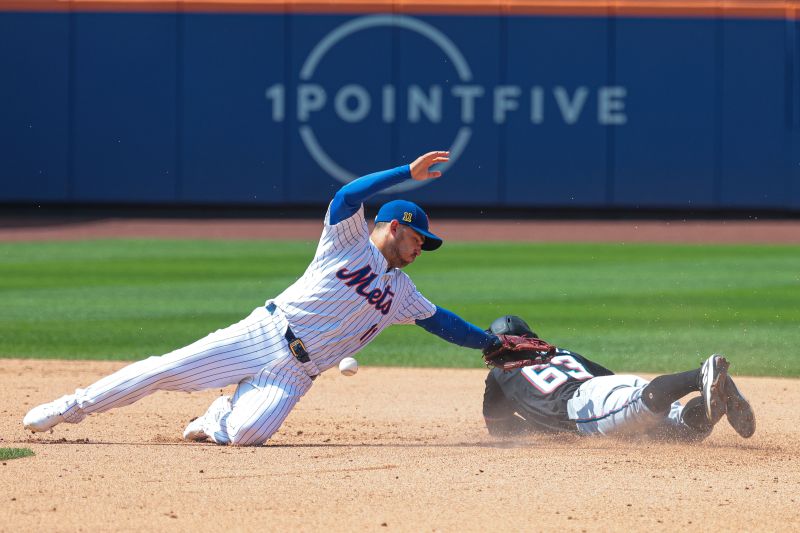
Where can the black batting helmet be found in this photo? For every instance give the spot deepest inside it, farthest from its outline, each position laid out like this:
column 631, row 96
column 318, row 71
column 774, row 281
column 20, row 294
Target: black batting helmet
column 512, row 325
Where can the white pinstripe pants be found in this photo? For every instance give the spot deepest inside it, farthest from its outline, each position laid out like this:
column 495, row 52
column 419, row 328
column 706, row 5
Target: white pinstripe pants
column 252, row 353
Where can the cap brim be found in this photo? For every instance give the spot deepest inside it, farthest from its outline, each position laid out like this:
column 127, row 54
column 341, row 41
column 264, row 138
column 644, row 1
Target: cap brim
column 432, row 242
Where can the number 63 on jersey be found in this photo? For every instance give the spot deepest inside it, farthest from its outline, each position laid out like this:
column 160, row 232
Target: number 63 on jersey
column 547, row 378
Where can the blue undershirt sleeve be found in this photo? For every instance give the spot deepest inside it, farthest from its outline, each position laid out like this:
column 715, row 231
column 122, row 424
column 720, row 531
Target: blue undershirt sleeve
column 350, row 197
column 455, row 329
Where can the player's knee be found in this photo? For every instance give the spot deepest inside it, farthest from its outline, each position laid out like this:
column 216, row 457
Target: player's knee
column 244, row 438
column 245, row 442
column 252, row 435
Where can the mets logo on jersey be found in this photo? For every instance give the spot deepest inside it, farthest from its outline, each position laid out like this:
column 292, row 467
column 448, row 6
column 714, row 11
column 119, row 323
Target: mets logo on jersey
column 360, row 279
column 406, row 216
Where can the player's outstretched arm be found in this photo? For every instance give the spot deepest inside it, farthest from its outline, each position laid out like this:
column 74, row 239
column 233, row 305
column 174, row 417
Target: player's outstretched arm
column 455, row 329
column 350, row 197
column 499, row 413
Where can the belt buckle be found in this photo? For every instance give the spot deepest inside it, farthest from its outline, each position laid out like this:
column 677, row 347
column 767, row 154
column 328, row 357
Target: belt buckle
column 298, row 349
column 296, row 346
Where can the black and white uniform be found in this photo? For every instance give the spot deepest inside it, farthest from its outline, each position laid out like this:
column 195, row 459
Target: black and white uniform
column 571, row 393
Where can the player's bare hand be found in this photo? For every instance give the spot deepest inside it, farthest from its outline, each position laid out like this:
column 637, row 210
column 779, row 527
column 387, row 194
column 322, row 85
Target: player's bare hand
column 421, row 167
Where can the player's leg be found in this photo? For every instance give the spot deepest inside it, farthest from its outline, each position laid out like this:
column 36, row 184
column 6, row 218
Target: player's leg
column 690, row 422
column 684, row 422
column 663, row 391
column 222, row 358
column 630, row 405
column 612, row 405
column 258, row 407
column 709, row 380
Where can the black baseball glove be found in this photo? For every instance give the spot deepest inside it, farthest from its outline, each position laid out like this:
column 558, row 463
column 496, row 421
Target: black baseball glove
column 508, row 352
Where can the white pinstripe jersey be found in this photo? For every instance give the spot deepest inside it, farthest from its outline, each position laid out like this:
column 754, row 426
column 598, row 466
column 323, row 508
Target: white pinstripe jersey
column 346, row 296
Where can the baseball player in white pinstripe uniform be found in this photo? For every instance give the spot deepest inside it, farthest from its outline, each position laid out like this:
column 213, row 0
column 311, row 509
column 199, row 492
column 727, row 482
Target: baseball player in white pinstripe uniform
column 350, row 292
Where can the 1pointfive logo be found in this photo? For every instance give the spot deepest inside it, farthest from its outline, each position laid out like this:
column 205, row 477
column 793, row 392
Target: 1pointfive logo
column 352, row 102
column 446, row 105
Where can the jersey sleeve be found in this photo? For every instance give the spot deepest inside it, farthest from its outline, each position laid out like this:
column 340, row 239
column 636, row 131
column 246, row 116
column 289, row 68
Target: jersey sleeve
column 345, row 233
column 350, row 197
column 414, row 306
column 452, row 328
column 498, row 412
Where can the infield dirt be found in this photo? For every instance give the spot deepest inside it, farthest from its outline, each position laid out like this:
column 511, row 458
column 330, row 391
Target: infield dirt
column 387, row 449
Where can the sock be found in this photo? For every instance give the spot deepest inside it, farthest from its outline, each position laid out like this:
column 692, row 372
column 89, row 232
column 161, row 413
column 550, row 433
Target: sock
column 659, row 394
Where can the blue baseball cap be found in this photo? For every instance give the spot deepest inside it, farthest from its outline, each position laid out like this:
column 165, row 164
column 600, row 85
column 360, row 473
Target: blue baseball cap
column 411, row 215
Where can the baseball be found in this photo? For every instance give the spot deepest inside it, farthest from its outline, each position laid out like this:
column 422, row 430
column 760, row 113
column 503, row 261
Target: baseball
column 348, row 366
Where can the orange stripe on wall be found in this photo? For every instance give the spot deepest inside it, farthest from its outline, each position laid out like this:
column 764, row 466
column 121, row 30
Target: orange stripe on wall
column 779, row 9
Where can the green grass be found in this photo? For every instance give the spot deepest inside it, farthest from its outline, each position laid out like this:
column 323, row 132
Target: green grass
column 632, row 307
column 14, row 453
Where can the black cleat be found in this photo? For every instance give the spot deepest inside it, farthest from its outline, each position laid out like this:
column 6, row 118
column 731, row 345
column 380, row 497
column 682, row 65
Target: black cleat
column 740, row 414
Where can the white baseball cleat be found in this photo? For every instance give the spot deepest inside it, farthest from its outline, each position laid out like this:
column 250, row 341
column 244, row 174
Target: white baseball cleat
column 194, row 431
column 47, row 415
column 714, row 376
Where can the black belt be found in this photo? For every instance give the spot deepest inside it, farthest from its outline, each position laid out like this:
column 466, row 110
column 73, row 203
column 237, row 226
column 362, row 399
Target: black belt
column 296, row 346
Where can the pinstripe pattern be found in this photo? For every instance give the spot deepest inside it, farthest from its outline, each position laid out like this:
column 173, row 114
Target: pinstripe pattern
column 331, row 317
column 222, row 358
column 252, row 353
column 260, row 404
column 335, row 316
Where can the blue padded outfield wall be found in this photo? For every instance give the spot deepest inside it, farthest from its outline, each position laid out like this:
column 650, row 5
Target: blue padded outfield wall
column 277, row 108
